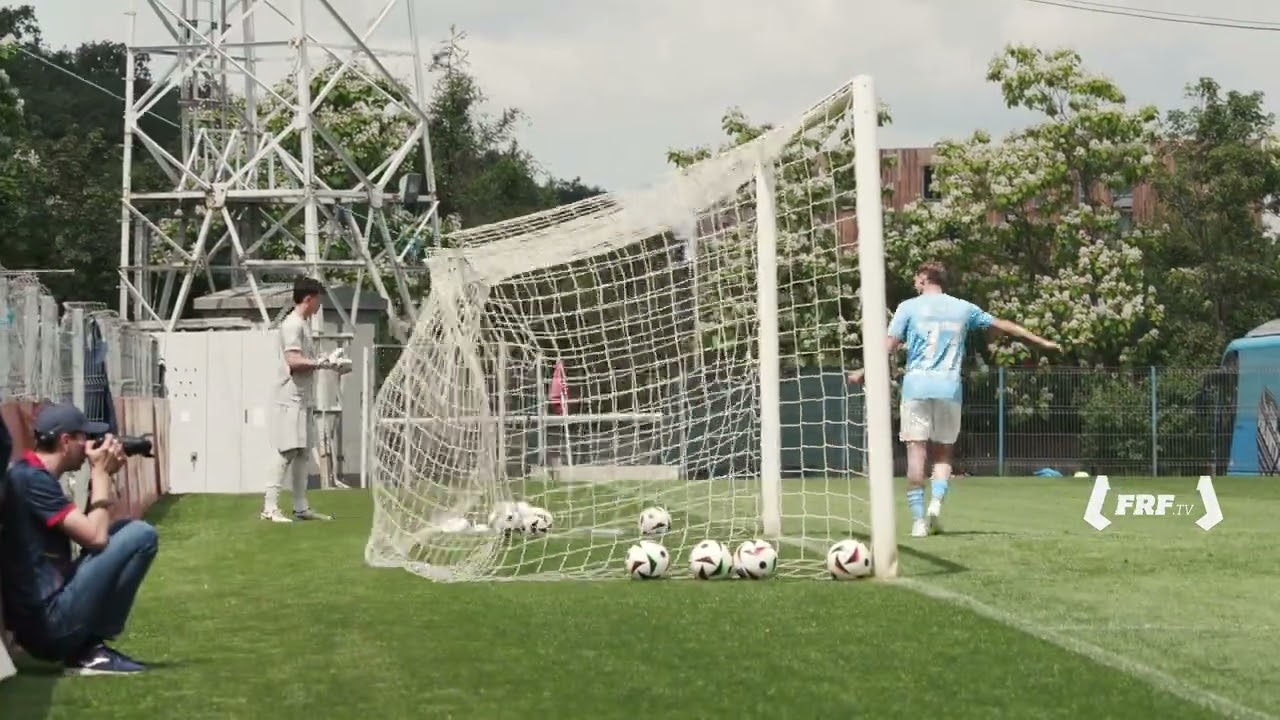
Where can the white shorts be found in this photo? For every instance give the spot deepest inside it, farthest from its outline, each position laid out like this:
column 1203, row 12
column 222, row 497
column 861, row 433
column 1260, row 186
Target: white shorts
column 932, row 420
column 293, row 428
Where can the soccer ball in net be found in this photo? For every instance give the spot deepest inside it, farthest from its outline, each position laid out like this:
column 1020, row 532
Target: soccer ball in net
column 536, row 522
column 655, row 521
column 755, row 559
column 647, row 560
column 710, row 560
column 506, row 518
column 849, row 560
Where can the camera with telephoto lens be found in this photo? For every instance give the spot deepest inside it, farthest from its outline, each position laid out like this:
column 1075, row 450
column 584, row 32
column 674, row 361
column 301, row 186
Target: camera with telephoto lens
column 133, row 446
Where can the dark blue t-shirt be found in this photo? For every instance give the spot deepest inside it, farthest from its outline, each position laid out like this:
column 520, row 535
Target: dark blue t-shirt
column 35, row 555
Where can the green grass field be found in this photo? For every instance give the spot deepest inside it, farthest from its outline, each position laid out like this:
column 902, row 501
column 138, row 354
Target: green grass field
column 1020, row 610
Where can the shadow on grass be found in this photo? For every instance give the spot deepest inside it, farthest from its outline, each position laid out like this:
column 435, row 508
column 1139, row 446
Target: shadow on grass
column 29, row 696
column 157, row 513
column 941, row 565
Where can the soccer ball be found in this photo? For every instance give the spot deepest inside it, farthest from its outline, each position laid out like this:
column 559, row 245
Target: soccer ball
column 849, row 560
column 647, row 560
column 655, row 521
column 710, row 560
column 755, row 559
column 506, row 518
column 536, row 522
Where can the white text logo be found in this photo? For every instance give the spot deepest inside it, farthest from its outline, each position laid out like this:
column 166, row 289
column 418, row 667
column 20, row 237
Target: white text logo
column 1149, row 504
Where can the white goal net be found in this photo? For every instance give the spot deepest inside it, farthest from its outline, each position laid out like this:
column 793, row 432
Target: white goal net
column 685, row 346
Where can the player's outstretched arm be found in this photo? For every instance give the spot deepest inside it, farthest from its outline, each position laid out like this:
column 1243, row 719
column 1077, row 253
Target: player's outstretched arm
column 895, row 343
column 1009, row 327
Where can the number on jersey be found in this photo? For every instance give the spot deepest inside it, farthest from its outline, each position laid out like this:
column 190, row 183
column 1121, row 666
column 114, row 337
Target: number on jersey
column 935, row 351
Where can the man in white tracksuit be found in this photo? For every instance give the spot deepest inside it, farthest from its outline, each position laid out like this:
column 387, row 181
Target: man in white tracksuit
column 293, row 425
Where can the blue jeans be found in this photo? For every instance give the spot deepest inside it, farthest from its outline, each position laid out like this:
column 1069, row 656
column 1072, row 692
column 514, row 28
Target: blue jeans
column 95, row 603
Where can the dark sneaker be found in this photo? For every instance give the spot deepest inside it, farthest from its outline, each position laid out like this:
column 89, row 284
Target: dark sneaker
column 102, row 660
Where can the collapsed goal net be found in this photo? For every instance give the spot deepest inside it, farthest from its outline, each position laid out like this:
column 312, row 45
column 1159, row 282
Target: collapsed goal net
column 684, row 346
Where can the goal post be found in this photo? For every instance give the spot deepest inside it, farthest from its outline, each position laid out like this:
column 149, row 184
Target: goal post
column 684, row 345
column 875, row 331
column 770, row 366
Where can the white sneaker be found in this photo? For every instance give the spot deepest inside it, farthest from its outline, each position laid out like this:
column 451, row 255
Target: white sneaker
column 274, row 516
column 310, row 514
column 919, row 528
column 933, row 515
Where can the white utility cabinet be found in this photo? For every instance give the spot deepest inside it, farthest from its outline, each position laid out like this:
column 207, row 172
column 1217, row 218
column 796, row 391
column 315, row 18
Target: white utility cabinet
column 221, row 388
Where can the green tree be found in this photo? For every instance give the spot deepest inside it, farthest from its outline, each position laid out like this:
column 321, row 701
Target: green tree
column 1026, row 223
column 483, row 173
column 1219, row 269
column 60, row 174
column 11, row 105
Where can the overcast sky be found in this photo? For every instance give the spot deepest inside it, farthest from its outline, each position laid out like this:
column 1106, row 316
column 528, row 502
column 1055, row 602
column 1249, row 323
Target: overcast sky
column 610, row 85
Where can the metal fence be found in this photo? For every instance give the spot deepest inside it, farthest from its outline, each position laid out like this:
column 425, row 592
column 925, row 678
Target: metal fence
column 31, row 342
column 1125, row 421
column 78, row 355
column 1145, row 421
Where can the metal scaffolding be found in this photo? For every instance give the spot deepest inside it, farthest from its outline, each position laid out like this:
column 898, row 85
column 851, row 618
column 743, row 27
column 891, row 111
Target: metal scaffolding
column 244, row 183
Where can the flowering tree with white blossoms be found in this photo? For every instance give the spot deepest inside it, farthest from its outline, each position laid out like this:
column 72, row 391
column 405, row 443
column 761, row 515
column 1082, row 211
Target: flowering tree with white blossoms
column 1026, row 223
column 360, row 111
column 818, row 305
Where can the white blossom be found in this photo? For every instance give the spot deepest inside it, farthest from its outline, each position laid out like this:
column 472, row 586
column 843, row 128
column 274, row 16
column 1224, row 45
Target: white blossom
column 1026, row 247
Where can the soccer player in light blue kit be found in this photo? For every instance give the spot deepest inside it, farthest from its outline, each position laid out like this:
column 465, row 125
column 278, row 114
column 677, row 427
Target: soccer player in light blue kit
column 933, row 327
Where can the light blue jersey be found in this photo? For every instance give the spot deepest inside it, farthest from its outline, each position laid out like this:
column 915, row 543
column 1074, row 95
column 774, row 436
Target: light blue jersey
column 934, row 327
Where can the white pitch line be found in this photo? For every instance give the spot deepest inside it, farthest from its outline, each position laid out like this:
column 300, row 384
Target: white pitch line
column 1150, row 628
column 1160, row 680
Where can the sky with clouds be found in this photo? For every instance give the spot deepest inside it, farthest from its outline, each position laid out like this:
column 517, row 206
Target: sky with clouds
column 609, row 85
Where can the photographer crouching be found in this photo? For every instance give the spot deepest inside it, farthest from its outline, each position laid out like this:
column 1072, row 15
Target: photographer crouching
column 58, row 609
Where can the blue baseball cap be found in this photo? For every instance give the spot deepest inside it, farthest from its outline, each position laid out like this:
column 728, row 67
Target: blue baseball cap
column 66, row 418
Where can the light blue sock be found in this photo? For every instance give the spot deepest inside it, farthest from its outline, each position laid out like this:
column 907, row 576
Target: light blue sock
column 939, row 487
column 915, row 501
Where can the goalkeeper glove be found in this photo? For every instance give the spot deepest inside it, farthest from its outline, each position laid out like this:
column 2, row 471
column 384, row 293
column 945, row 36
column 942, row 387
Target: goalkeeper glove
column 337, row 360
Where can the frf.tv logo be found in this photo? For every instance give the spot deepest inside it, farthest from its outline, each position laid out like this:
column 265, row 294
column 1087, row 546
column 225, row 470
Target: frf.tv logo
column 1147, row 504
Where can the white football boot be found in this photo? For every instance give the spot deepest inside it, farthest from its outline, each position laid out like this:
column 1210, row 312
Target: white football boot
column 919, row 528
column 274, row 516
column 933, row 516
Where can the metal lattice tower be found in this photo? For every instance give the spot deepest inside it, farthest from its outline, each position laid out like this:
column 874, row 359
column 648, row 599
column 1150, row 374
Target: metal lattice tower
column 245, row 201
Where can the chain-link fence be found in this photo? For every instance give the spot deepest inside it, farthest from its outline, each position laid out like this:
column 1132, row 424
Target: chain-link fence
column 118, row 361
column 31, row 343
column 1146, row 421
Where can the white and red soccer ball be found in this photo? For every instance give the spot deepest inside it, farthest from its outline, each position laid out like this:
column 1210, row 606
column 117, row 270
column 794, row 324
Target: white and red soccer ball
column 755, row 560
column 849, row 560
